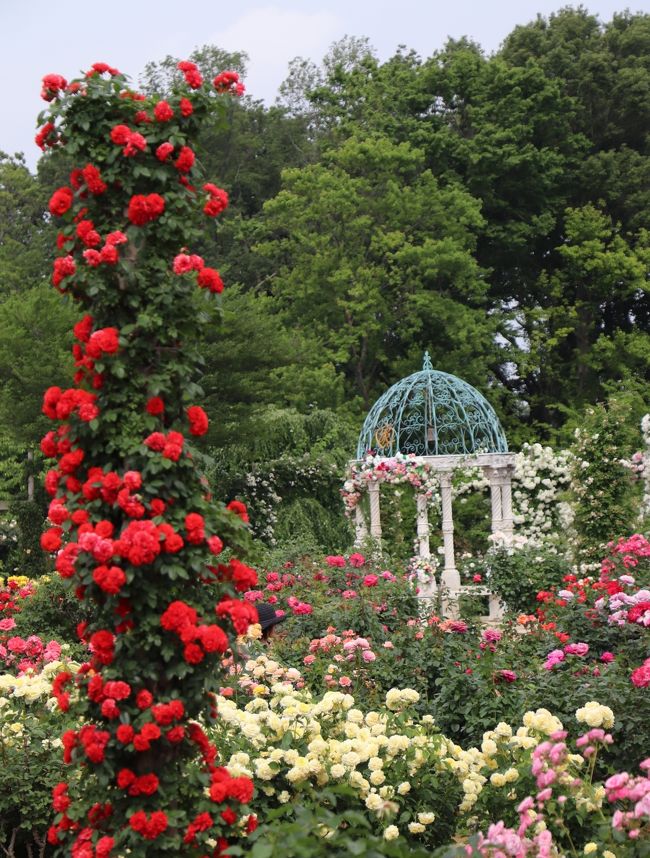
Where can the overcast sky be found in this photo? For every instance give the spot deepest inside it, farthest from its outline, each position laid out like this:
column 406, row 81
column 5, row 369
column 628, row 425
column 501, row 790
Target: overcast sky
column 41, row 36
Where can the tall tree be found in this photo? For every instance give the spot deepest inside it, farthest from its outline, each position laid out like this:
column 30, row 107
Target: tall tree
column 373, row 256
column 25, row 230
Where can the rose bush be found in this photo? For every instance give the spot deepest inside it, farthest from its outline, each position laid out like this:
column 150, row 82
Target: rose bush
column 132, row 526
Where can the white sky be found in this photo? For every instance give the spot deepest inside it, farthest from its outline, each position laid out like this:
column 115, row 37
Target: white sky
column 42, row 36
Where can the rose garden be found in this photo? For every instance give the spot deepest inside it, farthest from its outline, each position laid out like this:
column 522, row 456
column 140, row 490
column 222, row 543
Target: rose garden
column 458, row 663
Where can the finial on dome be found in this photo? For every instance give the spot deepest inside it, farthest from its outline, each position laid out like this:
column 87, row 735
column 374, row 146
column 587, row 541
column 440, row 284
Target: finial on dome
column 426, row 363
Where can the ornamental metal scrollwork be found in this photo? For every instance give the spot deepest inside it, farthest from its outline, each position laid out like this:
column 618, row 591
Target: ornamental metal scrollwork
column 432, row 413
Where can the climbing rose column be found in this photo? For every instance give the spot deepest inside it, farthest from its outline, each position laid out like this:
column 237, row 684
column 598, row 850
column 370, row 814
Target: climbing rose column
column 133, row 527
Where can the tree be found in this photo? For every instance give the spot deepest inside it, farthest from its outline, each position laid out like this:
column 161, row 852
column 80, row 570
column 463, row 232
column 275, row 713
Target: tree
column 373, row 256
column 596, row 302
column 134, row 530
column 34, row 354
column 25, row 233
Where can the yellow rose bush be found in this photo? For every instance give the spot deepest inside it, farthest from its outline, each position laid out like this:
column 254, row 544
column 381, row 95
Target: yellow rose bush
column 411, row 781
column 293, row 745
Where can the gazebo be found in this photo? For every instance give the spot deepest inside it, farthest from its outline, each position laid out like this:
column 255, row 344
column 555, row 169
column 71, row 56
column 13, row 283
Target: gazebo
column 418, row 432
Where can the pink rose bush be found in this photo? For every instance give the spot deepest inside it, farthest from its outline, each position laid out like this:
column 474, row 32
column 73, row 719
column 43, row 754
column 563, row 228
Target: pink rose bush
column 21, row 655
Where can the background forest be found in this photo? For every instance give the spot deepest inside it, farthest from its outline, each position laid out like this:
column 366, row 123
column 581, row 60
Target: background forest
column 494, row 210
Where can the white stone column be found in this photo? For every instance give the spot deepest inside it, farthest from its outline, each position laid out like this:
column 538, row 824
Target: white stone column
column 506, row 501
column 495, row 499
column 450, row 576
column 361, row 531
column 423, row 526
column 375, row 517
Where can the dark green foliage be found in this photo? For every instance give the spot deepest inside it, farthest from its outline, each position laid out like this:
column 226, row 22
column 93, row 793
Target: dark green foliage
column 295, row 830
column 27, row 557
column 52, row 613
column 518, row 576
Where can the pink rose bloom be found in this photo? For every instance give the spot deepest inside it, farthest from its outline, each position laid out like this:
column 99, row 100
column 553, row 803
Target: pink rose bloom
column 607, row 657
column 491, row 635
column 349, row 594
column 34, row 646
column 458, row 626
column 253, row 595
column 617, row 781
column 368, row 655
column 419, row 636
column 370, row 581
column 345, row 682
column 641, row 676
column 335, row 560
column 356, row 560
column 7, row 624
column 309, row 659
column 52, row 652
column 388, row 576
column 17, row 645
column 579, row 649
column 508, row 675
column 388, row 645
column 477, row 578
column 350, row 645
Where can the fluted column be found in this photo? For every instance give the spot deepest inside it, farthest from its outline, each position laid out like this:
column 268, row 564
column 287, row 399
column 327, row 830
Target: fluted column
column 506, row 501
column 423, row 526
column 361, row 530
column 375, row 516
column 450, row 576
column 495, row 499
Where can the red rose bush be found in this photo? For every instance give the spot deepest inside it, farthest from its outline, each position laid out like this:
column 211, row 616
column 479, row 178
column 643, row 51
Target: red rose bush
column 132, row 526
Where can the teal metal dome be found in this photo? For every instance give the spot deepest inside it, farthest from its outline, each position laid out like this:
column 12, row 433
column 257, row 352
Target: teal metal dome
column 431, row 413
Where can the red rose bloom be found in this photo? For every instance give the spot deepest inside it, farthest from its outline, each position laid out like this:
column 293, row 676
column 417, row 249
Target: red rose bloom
column 218, row 200
column 209, row 278
column 185, row 160
column 44, row 137
column 241, row 789
column 51, row 539
column 60, row 201
column 198, row 420
column 52, row 85
column 228, row 82
column 186, row 107
column 239, row 509
column 215, row 545
column 162, row 112
column 109, row 579
column 125, row 733
column 143, row 209
column 120, row 134
column 93, row 179
column 213, row 638
column 164, row 151
column 193, row 654
column 193, row 77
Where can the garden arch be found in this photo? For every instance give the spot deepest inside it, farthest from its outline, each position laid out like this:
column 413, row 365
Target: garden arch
column 418, row 432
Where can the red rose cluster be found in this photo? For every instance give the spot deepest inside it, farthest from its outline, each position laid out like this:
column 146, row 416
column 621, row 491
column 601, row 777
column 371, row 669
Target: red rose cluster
column 130, row 523
column 228, row 82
